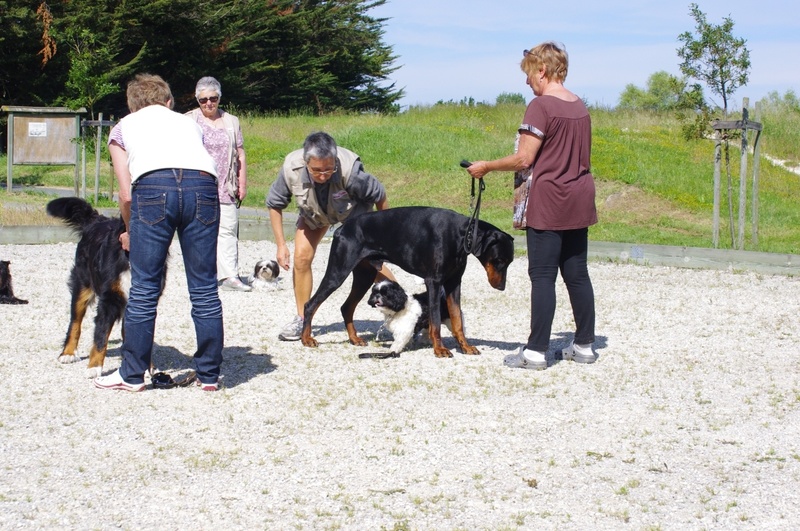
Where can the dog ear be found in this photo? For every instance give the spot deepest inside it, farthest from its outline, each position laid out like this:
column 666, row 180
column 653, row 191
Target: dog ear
column 488, row 236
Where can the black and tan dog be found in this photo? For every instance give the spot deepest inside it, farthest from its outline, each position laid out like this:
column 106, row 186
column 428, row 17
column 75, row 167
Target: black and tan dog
column 424, row 241
column 97, row 276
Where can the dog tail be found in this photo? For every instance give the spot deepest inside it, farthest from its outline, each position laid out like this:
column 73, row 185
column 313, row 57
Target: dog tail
column 76, row 212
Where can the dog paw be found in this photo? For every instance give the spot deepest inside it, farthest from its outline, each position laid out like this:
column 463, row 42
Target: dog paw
column 68, row 358
column 309, row 342
column 470, row 350
column 442, row 352
column 94, row 372
column 357, row 341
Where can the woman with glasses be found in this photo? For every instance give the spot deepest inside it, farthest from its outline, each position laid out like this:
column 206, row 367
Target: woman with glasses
column 224, row 142
column 329, row 184
column 554, row 147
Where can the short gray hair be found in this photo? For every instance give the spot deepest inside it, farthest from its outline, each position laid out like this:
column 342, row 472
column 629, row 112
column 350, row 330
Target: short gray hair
column 207, row 83
column 319, row 145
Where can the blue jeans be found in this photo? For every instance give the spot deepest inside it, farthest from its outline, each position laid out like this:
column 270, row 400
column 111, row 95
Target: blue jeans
column 163, row 202
column 548, row 252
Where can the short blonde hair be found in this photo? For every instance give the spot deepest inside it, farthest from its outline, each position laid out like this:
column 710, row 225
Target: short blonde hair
column 553, row 57
column 148, row 89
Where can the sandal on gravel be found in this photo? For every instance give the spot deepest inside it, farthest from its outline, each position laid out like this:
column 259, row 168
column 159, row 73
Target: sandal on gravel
column 162, row 380
column 521, row 361
column 579, row 353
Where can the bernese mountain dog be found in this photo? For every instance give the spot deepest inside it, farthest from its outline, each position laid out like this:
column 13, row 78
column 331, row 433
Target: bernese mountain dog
column 100, row 274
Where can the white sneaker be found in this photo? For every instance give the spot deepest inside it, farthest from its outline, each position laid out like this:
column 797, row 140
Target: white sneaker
column 579, row 353
column 234, row 284
column 292, row 331
column 114, row 381
column 526, row 359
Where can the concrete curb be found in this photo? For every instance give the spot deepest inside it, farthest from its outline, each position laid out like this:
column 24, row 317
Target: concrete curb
column 254, row 225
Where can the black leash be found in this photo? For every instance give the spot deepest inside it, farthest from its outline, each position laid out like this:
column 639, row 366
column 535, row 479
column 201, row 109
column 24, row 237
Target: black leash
column 475, row 208
column 378, row 355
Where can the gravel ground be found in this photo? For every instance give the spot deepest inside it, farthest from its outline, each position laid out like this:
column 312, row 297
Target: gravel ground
column 690, row 419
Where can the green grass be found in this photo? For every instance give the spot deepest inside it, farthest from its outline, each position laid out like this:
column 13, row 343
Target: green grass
column 653, row 187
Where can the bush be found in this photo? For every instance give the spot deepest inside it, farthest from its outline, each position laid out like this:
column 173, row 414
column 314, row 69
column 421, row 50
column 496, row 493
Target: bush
column 507, row 98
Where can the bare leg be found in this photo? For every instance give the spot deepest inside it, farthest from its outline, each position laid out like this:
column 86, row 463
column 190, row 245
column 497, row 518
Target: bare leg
column 306, row 241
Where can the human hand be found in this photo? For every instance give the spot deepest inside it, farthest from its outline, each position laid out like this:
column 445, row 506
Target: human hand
column 478, row 169
column 125, row 240
column 283, row 257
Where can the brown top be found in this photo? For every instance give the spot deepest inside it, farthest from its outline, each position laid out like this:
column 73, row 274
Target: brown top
column 562, row 189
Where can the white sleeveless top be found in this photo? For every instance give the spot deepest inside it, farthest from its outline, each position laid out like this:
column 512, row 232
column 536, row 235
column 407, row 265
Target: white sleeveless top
column 157, row 138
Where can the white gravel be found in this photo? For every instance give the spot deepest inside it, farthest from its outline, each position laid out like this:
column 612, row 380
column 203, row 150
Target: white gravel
column 690, row 419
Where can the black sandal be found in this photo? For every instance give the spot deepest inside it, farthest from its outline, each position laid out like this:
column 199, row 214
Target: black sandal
column 162, row 380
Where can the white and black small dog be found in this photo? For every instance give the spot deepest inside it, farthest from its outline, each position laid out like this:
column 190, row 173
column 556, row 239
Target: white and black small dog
column 405, row 316
column 265, row 275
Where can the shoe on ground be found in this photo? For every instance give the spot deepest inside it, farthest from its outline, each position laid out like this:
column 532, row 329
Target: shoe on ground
column 292, row 331
column 234, row 284
column 526, row 359
column 207, row 386
column 114, row 381
column 579, row 353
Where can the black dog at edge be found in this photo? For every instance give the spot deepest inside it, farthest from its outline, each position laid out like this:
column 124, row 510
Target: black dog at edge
column 424, row 241
column 7, row 286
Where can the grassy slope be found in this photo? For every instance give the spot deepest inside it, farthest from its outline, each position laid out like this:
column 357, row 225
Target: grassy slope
column 653, row 186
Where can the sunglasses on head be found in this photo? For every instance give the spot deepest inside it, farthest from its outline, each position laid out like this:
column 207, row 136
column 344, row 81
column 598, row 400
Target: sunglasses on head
column 212, row 99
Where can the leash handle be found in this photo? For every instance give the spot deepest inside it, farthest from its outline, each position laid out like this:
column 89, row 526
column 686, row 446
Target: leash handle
column 475, row 209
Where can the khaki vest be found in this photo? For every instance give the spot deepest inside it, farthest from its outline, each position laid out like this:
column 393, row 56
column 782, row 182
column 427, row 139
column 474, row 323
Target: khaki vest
column 339, row 202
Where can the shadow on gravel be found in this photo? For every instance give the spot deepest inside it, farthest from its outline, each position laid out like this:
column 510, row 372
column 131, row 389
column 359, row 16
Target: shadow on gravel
column 240, row 364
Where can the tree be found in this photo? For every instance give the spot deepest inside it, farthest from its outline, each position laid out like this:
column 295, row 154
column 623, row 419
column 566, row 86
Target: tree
column 714, row 56
column 90, row 73
column 269, row 55
column 720, row 60
column 664, row 92
column 28, row 54
column 318, row 55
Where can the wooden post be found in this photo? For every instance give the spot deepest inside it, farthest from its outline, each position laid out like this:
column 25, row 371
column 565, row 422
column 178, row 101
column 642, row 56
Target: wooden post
column 743, row 175
column 717, row 162
column 756, row 167
column 10, row 153
column 83, row 165
column 97, row 158
column 77, row 147
column 743, row 125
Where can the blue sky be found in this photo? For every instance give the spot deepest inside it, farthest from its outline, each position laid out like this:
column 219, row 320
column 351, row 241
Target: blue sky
column 454, row 49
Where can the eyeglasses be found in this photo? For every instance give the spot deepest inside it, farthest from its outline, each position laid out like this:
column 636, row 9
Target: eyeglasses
column 212, row 99
column 323, row 173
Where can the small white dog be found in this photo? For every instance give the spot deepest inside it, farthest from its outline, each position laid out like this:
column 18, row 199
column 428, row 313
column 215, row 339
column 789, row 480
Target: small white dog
column 265, row 275
column 406, row 316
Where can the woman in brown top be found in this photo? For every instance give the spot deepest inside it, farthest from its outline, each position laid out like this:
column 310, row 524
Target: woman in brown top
column 554, row 147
